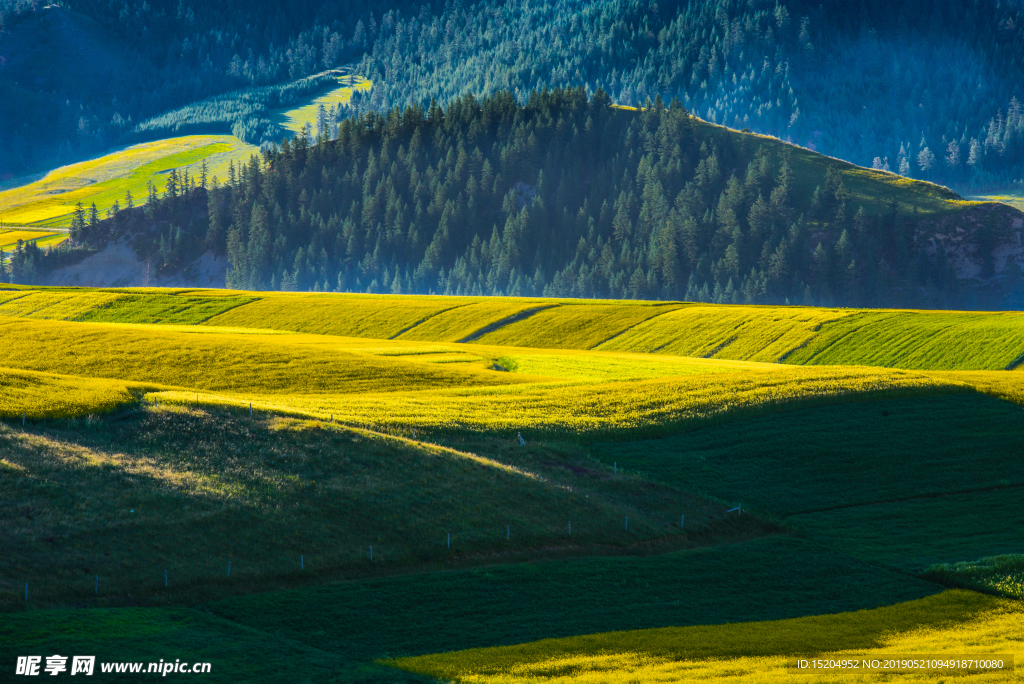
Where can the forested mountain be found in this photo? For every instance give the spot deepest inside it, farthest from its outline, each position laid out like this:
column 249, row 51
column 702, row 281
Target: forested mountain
column 927, row 88
column 76, row 75
column 568, row 196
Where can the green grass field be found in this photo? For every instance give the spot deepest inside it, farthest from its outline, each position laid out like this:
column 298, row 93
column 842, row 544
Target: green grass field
column 559, row 443
column 840, row 456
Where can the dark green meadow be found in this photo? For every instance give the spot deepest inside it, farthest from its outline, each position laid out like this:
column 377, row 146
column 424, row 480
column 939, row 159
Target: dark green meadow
column 915, row 534
column 333, row 633
column 842, row 455
column 907, row 483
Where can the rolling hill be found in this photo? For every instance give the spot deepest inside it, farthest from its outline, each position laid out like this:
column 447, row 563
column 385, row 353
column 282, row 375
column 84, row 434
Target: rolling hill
column 382, row 482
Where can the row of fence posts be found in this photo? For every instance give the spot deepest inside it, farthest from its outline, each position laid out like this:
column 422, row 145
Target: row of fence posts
column 508, row 535
column 302, row 563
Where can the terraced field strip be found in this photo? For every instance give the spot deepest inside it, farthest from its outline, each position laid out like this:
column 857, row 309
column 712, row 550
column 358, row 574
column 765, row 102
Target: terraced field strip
column 952, row 623
column 575, row 326
column 792, row 335
column 53, row 304
column 374, row 316
column 752, row 333
column 467, row 322
column 918, row 339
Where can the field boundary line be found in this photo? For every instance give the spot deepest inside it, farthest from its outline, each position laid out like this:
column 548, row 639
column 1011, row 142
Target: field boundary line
column 424, row 320
column 508, row 320
column 230, row 308
column 926, row 495
column 1012, row 365
column 817, row 330
column 646, row 320
column 711, row 353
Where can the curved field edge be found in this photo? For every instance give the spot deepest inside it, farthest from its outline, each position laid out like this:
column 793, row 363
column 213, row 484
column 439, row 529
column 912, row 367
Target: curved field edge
column 953, row 622
column 35, row 395
column 581, row 410
column 1001, row 575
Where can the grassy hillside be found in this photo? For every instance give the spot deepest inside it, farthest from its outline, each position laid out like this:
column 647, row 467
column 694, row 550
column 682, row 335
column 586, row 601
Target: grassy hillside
column 106, row 179
column 127, row 496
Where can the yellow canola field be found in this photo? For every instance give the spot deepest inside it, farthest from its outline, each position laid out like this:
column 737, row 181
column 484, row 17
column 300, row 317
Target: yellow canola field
column 47, row 395
column 217, row 361
column 951, row 623
column 650, row 408
column 9, row 238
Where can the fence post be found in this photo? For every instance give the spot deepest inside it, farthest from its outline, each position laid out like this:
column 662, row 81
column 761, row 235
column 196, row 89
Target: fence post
column 96, row 587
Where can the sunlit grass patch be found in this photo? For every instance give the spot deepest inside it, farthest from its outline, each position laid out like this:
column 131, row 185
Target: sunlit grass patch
column 955, row 622
column 996, row 574
column 295, row 119
column 46, row 395
column 105, row 180
column 249, row 364
column 586, row 409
